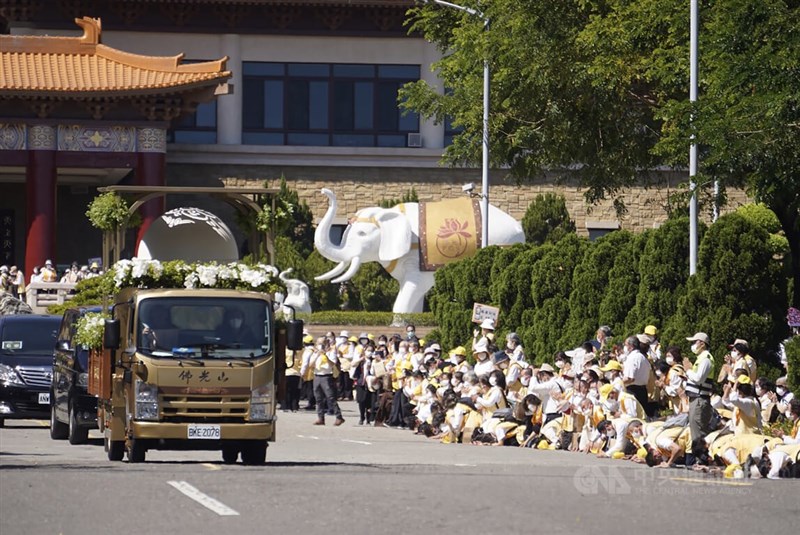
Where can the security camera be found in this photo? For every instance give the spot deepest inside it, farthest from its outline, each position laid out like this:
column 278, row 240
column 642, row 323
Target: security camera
column 468, row 188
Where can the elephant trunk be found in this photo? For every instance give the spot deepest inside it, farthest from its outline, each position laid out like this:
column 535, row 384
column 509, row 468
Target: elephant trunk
column 322, row 236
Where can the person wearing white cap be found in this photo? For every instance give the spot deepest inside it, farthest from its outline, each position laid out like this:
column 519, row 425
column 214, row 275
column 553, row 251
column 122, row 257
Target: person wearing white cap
column 483, row 364
column 548, row 389
column 486, row 333
column 699, row 387
column 49, row 273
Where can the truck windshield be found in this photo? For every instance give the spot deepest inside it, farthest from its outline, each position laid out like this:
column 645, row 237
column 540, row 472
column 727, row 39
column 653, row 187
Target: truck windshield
column 214, row 327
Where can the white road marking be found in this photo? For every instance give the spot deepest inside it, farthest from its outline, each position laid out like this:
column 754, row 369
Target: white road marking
column 311, row 437
column 468, row 465
column 203, row 499
column 212, row 466
column 357, row 442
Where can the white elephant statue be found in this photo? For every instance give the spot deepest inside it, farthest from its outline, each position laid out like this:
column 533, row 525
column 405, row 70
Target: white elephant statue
column 298, row 295
column 391, row 236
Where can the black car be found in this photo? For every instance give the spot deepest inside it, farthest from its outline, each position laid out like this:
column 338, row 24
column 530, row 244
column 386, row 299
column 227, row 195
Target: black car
column 26, row 365
column 73, row 411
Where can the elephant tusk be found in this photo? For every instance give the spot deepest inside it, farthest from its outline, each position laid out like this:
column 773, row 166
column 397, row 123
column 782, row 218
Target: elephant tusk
column 354, row 265
column 332, row 273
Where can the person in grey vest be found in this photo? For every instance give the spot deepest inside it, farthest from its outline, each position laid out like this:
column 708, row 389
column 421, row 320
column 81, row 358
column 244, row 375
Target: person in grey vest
column 699, row 387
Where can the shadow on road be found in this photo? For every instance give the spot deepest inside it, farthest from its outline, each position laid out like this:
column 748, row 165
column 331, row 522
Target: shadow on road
column 22, row 426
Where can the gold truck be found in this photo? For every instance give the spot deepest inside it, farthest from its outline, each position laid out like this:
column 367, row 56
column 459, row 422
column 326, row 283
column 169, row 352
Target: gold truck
column 189, row 369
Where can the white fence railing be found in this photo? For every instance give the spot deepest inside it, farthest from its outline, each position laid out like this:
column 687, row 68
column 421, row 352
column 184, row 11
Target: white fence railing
column 41, row 295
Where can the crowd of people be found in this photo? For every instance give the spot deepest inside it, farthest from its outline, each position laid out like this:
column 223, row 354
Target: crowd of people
column 12, row 279
column 636, row 400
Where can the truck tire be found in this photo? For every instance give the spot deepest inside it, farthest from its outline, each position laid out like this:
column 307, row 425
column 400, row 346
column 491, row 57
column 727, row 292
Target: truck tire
column 254, row 452
column 2, row 422
column 136, row 451
column 77, row 434
column 230, row 453
column 58, row 431
column 115, row 449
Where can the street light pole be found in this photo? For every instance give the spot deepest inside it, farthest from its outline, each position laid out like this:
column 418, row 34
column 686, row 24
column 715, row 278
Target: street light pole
column 485, row 135
column 693, row 34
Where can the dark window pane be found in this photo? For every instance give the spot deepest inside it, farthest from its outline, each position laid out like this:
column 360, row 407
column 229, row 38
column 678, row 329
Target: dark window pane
column 253, row 104
column 261, row 138
column 409, row 121
column 343, row 112
column 348, row 140
column 273, row 104
column 364, row 106
column 316, row 140
column 252, row 68
column 194, row 136
column 309, row 69
column 392, row 141
column 318, row 105
column 354, row 71
column 406, row 72
column 387, row 107
column 207, row 114
column 297, row 104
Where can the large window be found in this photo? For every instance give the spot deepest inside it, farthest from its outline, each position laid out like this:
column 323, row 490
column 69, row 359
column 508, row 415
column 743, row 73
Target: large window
column 198, row 127
column 320, row 104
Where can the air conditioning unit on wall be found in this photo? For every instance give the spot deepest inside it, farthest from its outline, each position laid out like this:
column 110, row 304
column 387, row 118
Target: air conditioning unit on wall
column 415, row 140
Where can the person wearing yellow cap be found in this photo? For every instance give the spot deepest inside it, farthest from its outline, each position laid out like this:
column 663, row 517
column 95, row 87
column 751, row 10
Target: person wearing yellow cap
column 294, row 363
column 612, row 372
column 324, row 361
column 307, row 373
column 458, row 357
column 654, row 351
column 746, row 417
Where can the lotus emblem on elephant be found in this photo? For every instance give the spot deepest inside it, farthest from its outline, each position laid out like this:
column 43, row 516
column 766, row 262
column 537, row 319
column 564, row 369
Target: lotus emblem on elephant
column 391, row 236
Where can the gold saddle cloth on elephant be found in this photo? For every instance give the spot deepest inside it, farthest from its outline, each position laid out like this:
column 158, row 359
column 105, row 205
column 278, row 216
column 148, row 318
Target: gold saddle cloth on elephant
column 449, row 231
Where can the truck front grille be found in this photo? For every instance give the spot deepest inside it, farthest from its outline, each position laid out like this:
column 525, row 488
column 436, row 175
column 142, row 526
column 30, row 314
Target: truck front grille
column 177, row 408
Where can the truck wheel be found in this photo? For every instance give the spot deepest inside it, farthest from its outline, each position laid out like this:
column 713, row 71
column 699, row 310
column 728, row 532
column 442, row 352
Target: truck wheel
column 77, row 435
column 2, row 422
column 136, row 451
column 115, row 449
column 58, row 431
column 230, row 454
column 254, row 452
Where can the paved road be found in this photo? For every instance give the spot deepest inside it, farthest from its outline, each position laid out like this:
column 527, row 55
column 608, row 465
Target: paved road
column 353, row 479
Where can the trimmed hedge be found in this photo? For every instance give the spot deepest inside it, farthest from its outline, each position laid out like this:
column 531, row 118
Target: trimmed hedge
column 378, row 319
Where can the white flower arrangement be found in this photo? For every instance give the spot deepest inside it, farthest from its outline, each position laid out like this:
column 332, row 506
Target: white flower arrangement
column 176, row 273
column 89, row 332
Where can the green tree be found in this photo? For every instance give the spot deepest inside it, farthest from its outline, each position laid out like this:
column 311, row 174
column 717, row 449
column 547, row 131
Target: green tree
column 738, row 292
column 623, row 285
column 547, row 220
column 589, row 283
column 596, row 91
column 372, row 288
column 663, row 270
column 409, row 196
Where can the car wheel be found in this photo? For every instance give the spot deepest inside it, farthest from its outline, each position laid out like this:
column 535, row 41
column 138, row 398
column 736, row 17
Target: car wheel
column 58, row 431
column 254, row 452
column 2, row 422
column 115, row 449
column 77, row 435
column 230, row 454
column 136, row 451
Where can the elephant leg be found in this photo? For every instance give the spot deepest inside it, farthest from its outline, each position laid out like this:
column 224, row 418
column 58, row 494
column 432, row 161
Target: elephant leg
column 412, row 292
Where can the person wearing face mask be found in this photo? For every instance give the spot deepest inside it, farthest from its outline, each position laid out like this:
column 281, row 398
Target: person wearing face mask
column 699, row 387
column 674, row 379
column 458, row 357
column 794, row 416
column 746, row 411
column 457, row 382
column 485, row 335
column 234, row 331
column 411, row 332
column 514, row 348
column 636, row 371
column 783, row 397
column 323, row 361
column 548, row 390
column 612, row 372
column 765, row 393
column 513, row 384
column 483, row 364
column 740, row 355
column 494, row 398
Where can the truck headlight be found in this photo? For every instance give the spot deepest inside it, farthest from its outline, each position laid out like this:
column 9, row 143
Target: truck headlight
column 9, row 375
column 261, row 400
column 83, row 379
column 146, row 401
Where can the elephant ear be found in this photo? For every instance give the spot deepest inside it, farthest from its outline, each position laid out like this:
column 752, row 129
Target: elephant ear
column 395, row 235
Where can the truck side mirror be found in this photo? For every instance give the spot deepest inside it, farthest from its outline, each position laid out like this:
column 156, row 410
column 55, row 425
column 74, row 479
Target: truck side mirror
column 111, row 337
column 294, row 334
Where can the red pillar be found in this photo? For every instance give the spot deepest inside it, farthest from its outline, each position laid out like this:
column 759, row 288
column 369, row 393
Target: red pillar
column 40, row 184
column 151, row 171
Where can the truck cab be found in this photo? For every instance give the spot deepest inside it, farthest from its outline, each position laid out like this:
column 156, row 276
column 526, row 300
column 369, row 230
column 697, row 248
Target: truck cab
column 189, row 370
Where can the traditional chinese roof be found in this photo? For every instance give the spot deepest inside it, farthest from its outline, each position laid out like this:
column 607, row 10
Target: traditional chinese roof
column 84, row 67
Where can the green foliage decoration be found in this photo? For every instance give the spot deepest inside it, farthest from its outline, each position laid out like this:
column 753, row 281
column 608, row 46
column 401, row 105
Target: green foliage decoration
column 109, row 211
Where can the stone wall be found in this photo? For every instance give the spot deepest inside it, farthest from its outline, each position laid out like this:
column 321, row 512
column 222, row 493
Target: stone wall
column 358, row 188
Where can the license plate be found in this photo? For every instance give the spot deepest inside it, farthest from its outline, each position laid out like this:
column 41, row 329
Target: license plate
column 207, row 432
column 44, row 398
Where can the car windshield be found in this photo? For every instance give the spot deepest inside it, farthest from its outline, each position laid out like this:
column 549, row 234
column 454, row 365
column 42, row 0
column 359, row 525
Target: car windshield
column 29, row 337
column 204, row 327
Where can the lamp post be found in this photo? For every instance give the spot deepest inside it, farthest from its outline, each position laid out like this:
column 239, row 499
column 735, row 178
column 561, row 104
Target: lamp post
column 485, row 145
column 693, row 31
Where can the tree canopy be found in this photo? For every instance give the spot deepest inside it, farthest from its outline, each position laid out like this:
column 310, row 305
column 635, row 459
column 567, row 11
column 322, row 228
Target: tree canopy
column 597, row 90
